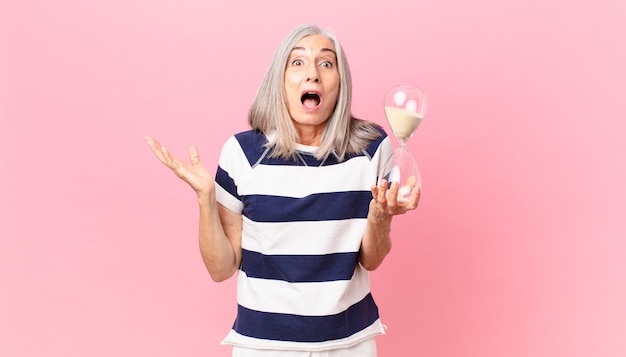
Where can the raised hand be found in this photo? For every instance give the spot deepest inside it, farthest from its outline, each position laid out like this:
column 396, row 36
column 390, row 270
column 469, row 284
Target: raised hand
column 386, row 203
column 194, row 173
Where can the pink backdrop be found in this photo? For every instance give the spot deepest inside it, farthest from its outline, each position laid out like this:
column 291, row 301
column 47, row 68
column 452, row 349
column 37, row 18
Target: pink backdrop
column 517, row 249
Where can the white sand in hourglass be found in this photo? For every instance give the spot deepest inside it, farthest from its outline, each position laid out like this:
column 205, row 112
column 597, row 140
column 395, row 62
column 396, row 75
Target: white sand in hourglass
column 403, row 122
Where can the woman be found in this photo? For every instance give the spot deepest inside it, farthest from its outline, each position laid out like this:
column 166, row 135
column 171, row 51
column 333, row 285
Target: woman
column 295, row 208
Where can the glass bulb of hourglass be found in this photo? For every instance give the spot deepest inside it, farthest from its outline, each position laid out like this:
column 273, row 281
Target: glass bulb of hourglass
column 405, row 172
column 404, row 108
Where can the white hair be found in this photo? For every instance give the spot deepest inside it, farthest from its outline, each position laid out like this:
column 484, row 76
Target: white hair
column 343, row 135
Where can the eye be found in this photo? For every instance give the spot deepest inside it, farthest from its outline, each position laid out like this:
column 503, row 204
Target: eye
column 297, row 62
column 327, row 64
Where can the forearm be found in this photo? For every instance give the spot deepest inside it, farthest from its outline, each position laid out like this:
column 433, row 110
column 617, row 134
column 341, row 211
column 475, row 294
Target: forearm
column 216, row 248
column 376, row 243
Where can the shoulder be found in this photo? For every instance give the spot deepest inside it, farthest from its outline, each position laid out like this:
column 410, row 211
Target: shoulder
column 252, row 143
column 380, row 137
column 251, row 137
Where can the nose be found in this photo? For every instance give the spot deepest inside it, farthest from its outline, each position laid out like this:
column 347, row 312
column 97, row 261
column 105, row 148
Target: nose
column 312, row 75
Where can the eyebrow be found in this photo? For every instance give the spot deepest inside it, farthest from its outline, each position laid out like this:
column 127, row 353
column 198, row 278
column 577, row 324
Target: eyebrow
column 321, row 50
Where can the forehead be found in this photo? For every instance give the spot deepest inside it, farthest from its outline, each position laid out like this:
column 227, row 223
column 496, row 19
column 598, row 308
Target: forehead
column 315, row 43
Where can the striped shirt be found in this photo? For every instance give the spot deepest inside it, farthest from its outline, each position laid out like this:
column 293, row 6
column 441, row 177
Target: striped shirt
column 300, row 285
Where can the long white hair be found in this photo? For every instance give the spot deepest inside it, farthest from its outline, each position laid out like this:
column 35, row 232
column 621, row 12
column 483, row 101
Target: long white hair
column 268, row 113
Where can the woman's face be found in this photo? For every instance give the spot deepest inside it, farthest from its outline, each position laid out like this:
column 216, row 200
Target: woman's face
column 312, row 84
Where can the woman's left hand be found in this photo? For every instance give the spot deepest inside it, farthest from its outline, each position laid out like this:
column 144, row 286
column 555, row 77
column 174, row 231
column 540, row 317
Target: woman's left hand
column 386, row 203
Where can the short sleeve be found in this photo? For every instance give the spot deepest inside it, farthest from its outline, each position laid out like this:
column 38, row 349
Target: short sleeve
column 230, row 168
column 382, row 158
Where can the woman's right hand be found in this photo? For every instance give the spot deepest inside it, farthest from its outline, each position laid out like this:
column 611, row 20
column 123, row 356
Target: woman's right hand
column 194, row 174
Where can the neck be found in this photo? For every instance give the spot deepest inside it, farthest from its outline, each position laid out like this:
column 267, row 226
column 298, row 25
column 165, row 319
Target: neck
column 313, row 141
column 310, row 136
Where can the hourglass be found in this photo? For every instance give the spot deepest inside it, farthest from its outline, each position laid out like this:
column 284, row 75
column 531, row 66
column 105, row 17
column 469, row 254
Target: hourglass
column 404, row 108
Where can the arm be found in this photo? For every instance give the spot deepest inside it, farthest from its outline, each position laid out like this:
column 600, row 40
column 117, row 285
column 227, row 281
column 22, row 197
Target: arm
column 219, row 238
column 376, row 243
column 219, row 228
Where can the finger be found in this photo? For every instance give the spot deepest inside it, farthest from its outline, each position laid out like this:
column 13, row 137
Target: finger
column 382, row 191
column 374, row 190
column 154, row 145
column 410, row 202
column 194, row 156
column 179, row 166
column 415, row 197
column 152, row 142
column 167, row 157
column 392, row 196
column 161, row 152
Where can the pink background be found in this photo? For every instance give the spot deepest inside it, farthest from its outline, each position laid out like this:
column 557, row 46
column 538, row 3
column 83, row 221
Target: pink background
column 517, row 248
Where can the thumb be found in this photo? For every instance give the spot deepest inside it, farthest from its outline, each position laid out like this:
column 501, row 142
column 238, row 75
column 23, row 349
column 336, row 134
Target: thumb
column 194, row 156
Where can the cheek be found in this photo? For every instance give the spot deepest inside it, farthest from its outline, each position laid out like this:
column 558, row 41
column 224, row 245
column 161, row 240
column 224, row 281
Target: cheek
column 292, row 82
column 290, row 89
column 335, row 94
column 334, row 86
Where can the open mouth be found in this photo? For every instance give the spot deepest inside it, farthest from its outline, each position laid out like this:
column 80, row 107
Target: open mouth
column 310, row 99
